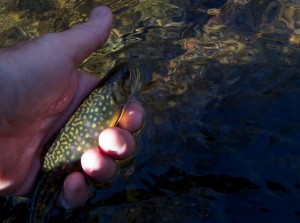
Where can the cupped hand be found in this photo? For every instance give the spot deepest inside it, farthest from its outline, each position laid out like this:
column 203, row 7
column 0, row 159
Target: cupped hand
column 40, row 88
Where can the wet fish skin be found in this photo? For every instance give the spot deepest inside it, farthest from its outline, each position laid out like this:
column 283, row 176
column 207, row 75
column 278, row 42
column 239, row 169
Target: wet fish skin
column 97, row 112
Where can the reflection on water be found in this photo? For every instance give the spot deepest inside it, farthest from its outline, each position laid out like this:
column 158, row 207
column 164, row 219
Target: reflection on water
column 220, row 82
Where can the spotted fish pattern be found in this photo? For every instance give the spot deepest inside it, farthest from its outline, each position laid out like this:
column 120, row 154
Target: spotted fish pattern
column 81, row 132
column 98, row 111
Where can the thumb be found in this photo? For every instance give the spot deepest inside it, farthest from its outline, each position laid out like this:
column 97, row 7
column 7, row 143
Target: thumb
column 81, row 40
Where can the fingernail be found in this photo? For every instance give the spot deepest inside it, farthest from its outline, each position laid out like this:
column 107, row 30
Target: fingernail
column 61, row 201
column 99, row 12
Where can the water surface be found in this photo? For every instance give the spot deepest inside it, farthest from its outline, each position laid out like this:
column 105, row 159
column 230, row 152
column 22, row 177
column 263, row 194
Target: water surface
column 220, row 83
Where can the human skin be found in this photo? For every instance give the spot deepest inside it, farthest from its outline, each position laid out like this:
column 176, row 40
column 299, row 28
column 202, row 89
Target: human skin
column 40, row 89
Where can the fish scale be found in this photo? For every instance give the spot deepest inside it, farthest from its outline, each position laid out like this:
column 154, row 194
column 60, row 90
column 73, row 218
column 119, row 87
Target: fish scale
column 82, row 130
column 100, row 110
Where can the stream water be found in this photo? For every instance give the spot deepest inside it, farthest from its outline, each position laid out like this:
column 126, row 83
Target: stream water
column 220, row 81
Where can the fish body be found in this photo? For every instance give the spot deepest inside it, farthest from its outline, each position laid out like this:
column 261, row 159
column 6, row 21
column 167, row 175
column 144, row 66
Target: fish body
column 100, row 110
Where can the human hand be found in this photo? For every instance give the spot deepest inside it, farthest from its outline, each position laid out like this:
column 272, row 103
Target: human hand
column 40, row 88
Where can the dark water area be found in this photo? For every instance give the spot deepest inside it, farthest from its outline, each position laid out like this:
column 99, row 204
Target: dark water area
column 221, row 139
column 234, row 159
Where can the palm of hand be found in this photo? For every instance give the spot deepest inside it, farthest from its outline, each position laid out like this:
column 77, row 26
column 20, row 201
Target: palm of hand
column 45, row 97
